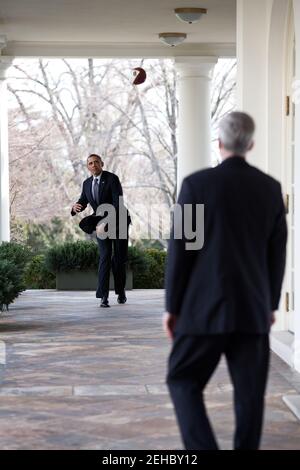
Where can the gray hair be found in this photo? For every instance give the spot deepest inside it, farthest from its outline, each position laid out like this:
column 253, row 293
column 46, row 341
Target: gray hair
column 236, row 132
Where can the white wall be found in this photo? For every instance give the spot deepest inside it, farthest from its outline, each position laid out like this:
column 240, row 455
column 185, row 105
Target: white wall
column 262, row 41
column 277, row 121
column 261, row 51
column 297, row 196
column 252, row 47
column 277, row 87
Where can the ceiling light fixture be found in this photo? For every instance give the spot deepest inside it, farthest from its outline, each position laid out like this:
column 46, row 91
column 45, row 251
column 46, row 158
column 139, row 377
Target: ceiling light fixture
column 190, row 15
column 172, row 39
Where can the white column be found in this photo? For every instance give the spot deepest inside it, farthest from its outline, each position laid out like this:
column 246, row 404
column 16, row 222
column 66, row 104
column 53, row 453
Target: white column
column 4, row 162
column 194, row 128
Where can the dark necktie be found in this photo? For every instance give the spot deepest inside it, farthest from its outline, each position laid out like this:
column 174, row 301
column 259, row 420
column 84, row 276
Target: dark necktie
column 96, row 191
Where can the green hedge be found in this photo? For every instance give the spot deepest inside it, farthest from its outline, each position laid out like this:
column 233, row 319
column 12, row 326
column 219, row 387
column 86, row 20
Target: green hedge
column 74, row 255
column 38, row 272
column 17, row 253
column 32, row 270
column 151, row 275
column 13, row 260
column 147, row 264
column 11, row 282
column 37, row 275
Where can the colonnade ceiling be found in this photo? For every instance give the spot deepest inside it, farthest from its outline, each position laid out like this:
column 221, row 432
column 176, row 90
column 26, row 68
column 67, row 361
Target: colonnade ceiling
column 34, row 27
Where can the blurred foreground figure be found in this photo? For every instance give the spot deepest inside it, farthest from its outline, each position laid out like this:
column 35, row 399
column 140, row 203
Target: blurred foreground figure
column 222, row 298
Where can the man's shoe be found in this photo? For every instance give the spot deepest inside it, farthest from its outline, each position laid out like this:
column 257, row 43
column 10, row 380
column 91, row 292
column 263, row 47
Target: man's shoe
column 104, row 302
column 122, row 299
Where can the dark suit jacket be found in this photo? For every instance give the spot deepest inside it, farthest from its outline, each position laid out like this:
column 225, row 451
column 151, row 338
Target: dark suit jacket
column 110, row 190
column 234, row 282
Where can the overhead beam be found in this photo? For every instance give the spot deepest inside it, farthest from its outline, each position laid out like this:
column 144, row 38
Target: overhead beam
column 107, row 50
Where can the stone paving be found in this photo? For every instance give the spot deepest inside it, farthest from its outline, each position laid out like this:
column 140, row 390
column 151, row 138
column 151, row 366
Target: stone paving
column 80, row 377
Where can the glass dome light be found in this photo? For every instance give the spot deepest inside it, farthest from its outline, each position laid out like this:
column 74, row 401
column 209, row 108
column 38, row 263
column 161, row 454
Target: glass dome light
column 172, row 39
column 190, row 15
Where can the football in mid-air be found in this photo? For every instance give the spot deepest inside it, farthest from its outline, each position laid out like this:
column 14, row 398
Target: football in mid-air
column 139, row 76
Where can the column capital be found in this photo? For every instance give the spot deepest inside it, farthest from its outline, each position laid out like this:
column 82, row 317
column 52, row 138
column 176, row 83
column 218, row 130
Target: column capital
column 195, row 66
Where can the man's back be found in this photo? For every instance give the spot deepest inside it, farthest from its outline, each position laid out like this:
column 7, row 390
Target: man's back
column 233, row 283
column 221, row 299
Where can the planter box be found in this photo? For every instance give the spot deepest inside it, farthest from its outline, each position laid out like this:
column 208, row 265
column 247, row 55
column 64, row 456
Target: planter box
column 86, row 280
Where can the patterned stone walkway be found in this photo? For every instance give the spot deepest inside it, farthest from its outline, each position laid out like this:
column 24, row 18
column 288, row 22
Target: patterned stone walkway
column 73, row 376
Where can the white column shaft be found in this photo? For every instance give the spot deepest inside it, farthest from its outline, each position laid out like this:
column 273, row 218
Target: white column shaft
column 4, row 161
column 194, row 127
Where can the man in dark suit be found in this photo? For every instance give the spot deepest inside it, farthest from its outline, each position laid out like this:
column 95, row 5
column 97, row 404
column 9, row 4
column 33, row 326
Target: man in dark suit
column 102, row 188
column 222, row 298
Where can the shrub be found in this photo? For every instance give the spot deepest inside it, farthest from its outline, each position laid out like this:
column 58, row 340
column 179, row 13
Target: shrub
column 145, row 244
column 158, row 267
column 11, row 282
column 147, row 265
column 37, row 276
column 150, row 273
column 137, row 260
column 76, row 255
column 17, row 253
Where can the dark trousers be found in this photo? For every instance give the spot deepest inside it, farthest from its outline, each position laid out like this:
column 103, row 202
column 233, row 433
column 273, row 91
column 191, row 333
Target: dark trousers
column 117, row 262
column 192, row 362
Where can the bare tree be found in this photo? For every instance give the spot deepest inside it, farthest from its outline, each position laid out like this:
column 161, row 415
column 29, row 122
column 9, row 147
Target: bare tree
column 63, row 110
